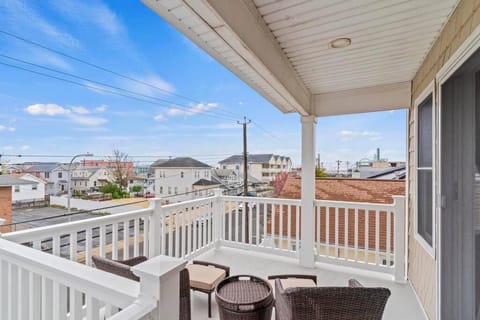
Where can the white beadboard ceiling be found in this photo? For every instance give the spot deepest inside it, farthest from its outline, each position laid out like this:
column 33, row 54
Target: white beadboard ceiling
column 390, row 39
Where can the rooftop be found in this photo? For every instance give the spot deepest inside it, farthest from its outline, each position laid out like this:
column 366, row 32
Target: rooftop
column 252, row 158
column 180, row 162
column 8, row 181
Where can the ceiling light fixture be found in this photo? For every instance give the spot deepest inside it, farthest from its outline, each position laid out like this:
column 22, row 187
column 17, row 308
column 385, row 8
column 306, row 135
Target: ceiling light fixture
column 340, row 43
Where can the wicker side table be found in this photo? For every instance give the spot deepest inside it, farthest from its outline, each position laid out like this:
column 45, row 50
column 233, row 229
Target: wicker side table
column 244, row 297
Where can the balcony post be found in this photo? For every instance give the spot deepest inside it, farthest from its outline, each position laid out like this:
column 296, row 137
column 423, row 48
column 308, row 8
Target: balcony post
column 154, row 239
column 399, row 236
column 218, row 214
column 160, row 280
column 307, row 258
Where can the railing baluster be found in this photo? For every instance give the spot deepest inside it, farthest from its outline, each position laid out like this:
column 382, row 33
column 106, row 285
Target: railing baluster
column 88, row 247
column 73, row 246
column 257, row 223
column 183, row 244
column 136, row 231
column 367, row 232
column 318, row 216
column 146, row 226
column 126, row 239
column 244, row 223
column 389, row 243
column 177, row 234
column 280, row 228
column 297, row 226
column 336, row 232
column 204, row 224
column 377, row 236
column 60, row 301
column 35, row 297
column 47, row 299
column 327, row 232
column 345, row 230
column 170, row 234
column 250, row 224
column 102, row 240
column 272, row 231
column 114, row 241
column 76, row 305
column 230, row 237
column 265, row 214
column 56, row 245
column 188, row 231
column 210, row 221
column 195, row 229
column 93, row 308
column 237, row 230
column 356, row 234
column 4, row 288
column 24, row 294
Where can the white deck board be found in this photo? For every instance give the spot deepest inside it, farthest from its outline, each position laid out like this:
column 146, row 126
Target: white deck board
column 402, row 303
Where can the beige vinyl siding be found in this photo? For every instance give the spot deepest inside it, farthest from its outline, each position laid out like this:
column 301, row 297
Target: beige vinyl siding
column 421, row 265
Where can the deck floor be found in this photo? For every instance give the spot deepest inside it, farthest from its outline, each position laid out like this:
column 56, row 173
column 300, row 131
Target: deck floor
column 402, row 303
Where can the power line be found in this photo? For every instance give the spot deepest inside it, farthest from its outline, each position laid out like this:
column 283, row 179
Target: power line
column 116, row 73
column 186, row 109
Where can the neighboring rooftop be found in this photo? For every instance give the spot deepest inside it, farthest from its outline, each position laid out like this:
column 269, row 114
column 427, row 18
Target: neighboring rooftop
column 253, row 158
column 180, row 162
column 356, row 190
column 40, row 166
column 377, row 172
column 8, row 181
column 205, row 182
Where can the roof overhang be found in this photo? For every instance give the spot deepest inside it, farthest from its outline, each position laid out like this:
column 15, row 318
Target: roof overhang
column 281, row 48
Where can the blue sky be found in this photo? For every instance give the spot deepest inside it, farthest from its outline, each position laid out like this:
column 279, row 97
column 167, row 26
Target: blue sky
column 44, row 116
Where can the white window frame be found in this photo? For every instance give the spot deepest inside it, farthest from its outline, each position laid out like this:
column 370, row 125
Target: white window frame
column 429, row 90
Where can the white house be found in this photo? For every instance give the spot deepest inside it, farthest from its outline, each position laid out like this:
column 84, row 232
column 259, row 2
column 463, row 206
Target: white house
column 88, row 179
column 263, row 167
column 174, row 179
column 58, row 180
column 34, row 190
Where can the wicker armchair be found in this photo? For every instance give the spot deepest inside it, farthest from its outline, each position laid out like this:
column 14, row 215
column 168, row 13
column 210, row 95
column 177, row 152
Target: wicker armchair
column 354, row 302
column 119, row 267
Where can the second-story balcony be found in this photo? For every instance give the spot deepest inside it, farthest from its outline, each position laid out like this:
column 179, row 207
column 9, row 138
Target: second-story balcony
column 47, row 273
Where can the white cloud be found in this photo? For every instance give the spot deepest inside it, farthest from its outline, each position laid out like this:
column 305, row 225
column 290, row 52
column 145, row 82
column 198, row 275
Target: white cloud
column 8, row 148
column 48, row 109
column 101, row 108
column 76, row 114
column 6, row 128
column 159, row 117
column 157, row 86
column 80, row 110
column 87, row 120
column 24, row 147
column 348, row 135
column 194, row 109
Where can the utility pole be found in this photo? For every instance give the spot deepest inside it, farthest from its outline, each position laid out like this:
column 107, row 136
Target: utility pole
column 245, row 173
column 338, row 167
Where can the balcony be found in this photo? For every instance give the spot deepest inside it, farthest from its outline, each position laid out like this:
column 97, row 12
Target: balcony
column 55, row 279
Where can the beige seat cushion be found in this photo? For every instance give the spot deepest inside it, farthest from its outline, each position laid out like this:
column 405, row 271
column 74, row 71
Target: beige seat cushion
column 204, row 277
column 292, row 283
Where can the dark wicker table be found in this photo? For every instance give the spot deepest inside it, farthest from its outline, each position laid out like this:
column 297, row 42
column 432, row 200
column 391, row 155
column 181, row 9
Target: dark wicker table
column 244, row 297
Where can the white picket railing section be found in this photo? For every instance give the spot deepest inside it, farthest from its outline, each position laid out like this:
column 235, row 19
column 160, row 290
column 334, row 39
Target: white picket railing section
column 36, row 285
column 361, row 235
column 273, row 224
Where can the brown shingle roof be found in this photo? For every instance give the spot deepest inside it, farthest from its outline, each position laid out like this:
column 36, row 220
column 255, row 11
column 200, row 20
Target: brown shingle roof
column 341, row 189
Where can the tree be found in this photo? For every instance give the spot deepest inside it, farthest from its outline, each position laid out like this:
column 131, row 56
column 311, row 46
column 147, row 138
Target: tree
column 119, row 162
column 319, row 173
column 114, row 190
column 136, row 188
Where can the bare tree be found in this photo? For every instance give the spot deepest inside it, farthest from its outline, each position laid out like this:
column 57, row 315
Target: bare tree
column 119, row 162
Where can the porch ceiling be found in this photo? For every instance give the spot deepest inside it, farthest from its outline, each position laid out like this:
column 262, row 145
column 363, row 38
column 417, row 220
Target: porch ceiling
column 281, row 47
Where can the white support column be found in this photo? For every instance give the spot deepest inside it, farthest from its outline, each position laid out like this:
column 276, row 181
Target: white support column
column 399, row 236
column 309, row 124
column 154, row 237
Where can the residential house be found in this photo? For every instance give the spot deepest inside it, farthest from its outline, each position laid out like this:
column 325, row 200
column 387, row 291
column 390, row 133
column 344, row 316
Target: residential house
column 263, row 167
column 31, row 191
column 90, row 179
column 174, row 178
column 58, row 180
column 138, row 181
column 126, row 166
column 205, row 188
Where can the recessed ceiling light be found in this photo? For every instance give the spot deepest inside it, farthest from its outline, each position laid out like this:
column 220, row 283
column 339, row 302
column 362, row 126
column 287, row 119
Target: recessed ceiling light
column 340, row 43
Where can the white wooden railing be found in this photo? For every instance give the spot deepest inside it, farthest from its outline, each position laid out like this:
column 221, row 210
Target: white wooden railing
column 36, row 285
column 184, row 230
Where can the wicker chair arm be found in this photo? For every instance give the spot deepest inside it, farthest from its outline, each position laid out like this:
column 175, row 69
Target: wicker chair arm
column 353, row 283
column 216, row 265
column 133, row 261
column 295, row 276
column 114, row 267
